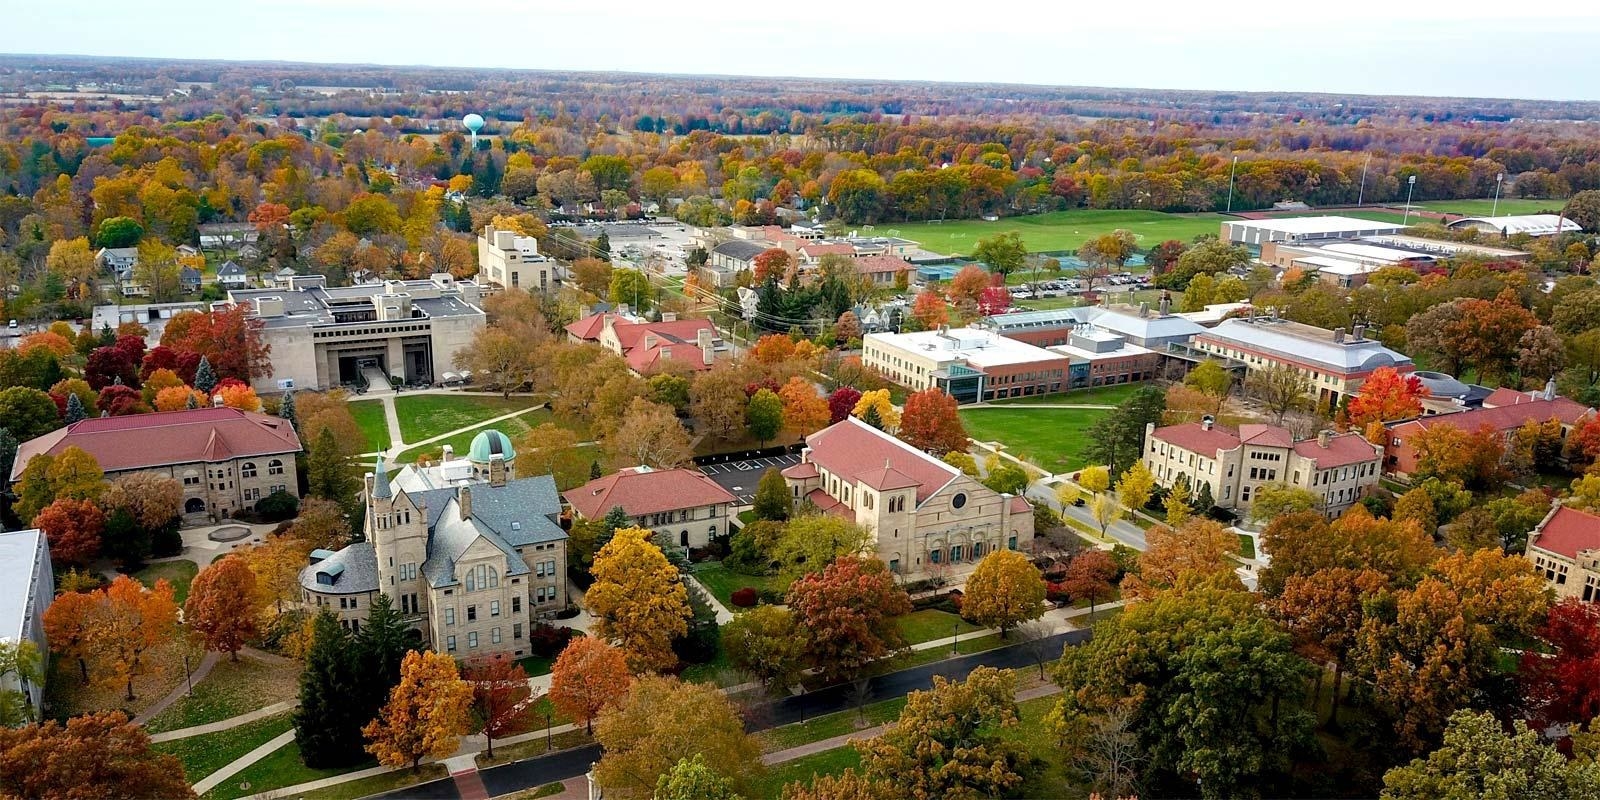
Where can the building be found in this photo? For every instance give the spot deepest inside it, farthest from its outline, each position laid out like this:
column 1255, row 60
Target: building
column 1294, row 229
column 232, row 276
column 730, row 258
column 116, row 260
column 1153, row 329
column 969, row 364
column 226, row 459
column 189, row 280
column 1446, row 395
column 1503, row 411
column 470, row 566
column 925, row 516
column 27, row 587
column 885, row 270
column 322, row 337
column 1336, row 364
column 1344, row 263
column 1535, row 225
column 1238, row 464
column 227, row 235
column 1445, row 248
column 683, row 505
column 511, row 261
column 648, row 347
column 1565, row 548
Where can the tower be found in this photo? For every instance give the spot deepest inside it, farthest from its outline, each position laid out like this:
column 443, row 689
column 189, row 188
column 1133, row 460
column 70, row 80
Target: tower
column 397, row 526
column 492, row 457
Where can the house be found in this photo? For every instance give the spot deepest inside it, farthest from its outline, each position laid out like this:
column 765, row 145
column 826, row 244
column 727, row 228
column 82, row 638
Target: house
column 470, row 566
column 728, row 259
column 189, row 280
column 283, row 278
column 187, row 250
column 885, row 270
column 690, row 344
column 1565, row 548
column 117, row 259
column 1235, row 465
column 232, row 276
column 249, row 252
column 226, row 459
column 1503, row 411
column 682, row 504
column 926, row 517
column 216, row 235
column 812, row 252
column 27, row 587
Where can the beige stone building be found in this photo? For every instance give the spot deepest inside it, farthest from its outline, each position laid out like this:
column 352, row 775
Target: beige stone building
column 1237, row 465
column 226, row 459
column 472, row 561
column 510, row 261
column 1565, row 549
column 682, row 505
column 926, row 516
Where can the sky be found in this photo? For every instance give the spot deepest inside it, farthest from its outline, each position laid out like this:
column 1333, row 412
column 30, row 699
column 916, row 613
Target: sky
column 1469, row 48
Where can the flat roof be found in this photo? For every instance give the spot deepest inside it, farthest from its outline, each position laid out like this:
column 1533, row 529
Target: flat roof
column 1444, row 245
column 1302, row 226
column 19, row 550
column 979, row 347
column 1306, row 343
column 1332, row 264
column 1125, row 351
column 1373, row 251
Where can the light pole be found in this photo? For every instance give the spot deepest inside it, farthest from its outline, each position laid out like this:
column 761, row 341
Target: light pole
column 1411, row 186
column 955, row 637
column 1361, row 195
column 1230, row 183
column 1499, row 178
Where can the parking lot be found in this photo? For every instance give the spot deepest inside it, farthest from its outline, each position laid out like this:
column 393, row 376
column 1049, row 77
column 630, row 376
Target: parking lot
column 740, row 477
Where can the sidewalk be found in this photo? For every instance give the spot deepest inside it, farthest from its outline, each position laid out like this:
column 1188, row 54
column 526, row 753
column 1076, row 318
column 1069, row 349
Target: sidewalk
column 178, row 692
column 224, row 724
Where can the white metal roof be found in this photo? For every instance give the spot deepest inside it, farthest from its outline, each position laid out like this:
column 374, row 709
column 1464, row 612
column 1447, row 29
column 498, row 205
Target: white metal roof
column 1371, row 252
column 1335, row 265
column 1301, row 226
column 981, row 348
column 1531, row 224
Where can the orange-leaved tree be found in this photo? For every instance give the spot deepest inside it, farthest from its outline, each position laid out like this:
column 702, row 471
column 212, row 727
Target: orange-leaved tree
column 1004, row 591
column 73, row 528
column 94, row 755
column 69, row 624
column 502, row 701
column 847, row 611
column 588, row 676
column 222, row 605
column 426, row 715
column 130, row 621
column 930, row 423
column 1387, row 395
column 804, row 411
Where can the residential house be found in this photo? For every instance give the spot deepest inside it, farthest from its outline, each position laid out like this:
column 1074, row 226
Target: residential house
column 189, row 280
column 885, row 271
column 232, row 276
column 683, row 505
column 730, row 258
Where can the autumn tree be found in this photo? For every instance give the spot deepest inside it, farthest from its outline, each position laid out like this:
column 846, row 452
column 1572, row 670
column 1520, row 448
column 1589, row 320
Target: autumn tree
column 129, row 622
column 500, row 697
column 28, row 412
column 930, row 422
column 427, row 713
column 930, row 310
column 503, row 362
column 1303, row 543
column 1278, row 499
column 1387, row 395
column 847, row 614
column 843, row 400
column 1282, row 388
column 774, row 263
column 811, row 542
column 1135, row 486
column 1323, row 611
column 1563, row 685
column 638, row 600
column 221, row 605
column 93, row 755
column 1211, row 379
column 1477, row 758
column 804, row 411
column 1003, row 591
column 69, row 626
column 1199, row 552
column 1446, row 452
column 1091, row 576
column 276, row 564
column 876, row 409
column 649, row 435
column 948, row 741
column 152, row 499
column 663, row 721
column 1003, row 253
column 550, row 449
column 766, row 643
column 588, row 677
column 968, row 285
column 73, row 528
column 1105, row 510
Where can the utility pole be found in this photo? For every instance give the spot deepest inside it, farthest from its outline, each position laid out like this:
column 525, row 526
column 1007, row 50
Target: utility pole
column 1361, row 196
column 1230, row 183
column 1499, row 178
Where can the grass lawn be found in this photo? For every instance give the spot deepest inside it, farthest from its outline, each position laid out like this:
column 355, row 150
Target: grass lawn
column 424, row 416
column 1058, row 230
column 929, row 624
column 1052, row 438
column 829, row 726
column 373, row 422
column 67, row 695
column 547, row 790
column 1093, row 396
column 722, row 582
column 205, row 754
column 1485, row 206
column 514, row 427
column 283, row 768
column 1247, row 546
column 1054, row 777
column 803, row 770
column 709, row 672
column 178, row 573
column 229, row 690
column 536, row 665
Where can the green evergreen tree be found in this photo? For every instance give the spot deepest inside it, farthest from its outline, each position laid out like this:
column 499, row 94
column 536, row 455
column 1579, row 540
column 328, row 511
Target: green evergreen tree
column 328, row 724
column 772, row 499
column 872, row 418
column 286, row 411
column 75, row 412
column 602, row 245
column 191, row 403
column 381, row 645
column 205, row 378
column 328, row 471
column 616, row 519
column 1205, row 501
column 594, row 470
column 8, row 451
column 124, row 540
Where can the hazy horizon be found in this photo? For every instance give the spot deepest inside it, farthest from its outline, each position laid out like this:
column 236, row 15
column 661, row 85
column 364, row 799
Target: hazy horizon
column 1362, row 47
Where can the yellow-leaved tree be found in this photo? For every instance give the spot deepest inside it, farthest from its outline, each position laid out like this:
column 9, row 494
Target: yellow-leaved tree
column 638, row 600
column 1135, row 486
column 426, row 715
column 1004, row 591
column 876, row 409
column 663, row 721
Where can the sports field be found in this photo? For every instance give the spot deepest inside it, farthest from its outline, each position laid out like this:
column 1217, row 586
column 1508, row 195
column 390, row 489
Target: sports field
column 1482, row 208
column 1059, row 230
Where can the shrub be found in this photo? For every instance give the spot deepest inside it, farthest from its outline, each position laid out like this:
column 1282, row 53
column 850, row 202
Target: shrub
column 745, row 597
column 770, row 597
column 278, row 506
column 567, row 613
column 699, row 645
column 166, row 541
column 547, row 641
column 1055, row 593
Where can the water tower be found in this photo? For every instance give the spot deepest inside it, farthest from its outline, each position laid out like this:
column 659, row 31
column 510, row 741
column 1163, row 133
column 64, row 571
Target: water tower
column 473, row 123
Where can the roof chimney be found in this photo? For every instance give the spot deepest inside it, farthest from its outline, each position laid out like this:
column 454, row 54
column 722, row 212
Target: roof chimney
column 1144, row 309
column 1338, row 335
column 446, row 454
column 464, row 500
column 1166, row 303
column 1360, row 331
column 1550, row 389
column 1324, row 436
column 1207, row 421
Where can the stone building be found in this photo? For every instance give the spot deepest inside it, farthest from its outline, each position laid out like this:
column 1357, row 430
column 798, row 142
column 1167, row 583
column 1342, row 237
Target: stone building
column 681, row 504
column 1565, row 549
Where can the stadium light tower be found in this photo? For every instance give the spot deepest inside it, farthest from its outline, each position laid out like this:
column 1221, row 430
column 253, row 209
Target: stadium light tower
column 1411, row 186
column 1230, row 183
column 1499, row 178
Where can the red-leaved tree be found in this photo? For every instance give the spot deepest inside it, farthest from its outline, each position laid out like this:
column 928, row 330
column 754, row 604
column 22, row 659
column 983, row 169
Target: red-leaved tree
column 502, row 701
column 847, row 612
column 73, row 528
column 930, row 422
column 842, row 402
column 1387, row 395
column 1563, row 686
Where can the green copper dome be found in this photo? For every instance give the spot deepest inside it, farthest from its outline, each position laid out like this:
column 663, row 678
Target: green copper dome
column 488, row 444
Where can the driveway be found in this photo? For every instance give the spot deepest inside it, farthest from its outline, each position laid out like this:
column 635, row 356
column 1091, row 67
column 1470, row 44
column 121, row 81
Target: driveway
column 740, row 477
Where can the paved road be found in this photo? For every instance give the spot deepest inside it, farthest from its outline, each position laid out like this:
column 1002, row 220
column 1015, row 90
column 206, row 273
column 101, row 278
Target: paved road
column 571, row 764
column 1122, row 530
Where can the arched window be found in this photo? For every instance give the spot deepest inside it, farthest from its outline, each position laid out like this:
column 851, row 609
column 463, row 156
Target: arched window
column 275, row 467
column 247, row 469
column 683, row 538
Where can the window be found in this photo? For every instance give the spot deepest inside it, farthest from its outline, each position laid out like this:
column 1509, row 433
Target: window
column 450, row 643
column 683, row 538
column 516, row 604
column 274, row 467
column 472, row 613
column 472, row 640
column 494, row 636
column 494, row 608
column 450, row 615
column 894, row 565
column 935, row 556
column 247, row 469
column 1011, row 544
column 959, row 500
column 191, row 479
column 516, row 631
column 955, row 553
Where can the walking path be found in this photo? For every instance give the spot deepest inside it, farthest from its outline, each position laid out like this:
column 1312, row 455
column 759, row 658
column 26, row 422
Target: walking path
column 224, row 724
column 1089, row 406
column 398, row 444
column 215, row 779
column 724, row 616
column 200, row 672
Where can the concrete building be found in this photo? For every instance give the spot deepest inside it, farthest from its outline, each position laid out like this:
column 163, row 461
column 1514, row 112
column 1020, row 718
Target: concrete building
column 1336, row 364
column 1294, row 229
column 322, row 337
column 510, row 261
column 1565, row 548
column 27, row 586
column 470, row 565
column 969, row 364
column 1150, row 328
column 1237, row 464
column 226, row 459
column 1503, row 411
column 683, row 505
column 925, row 515
column 692, row 345
column 1535, row 225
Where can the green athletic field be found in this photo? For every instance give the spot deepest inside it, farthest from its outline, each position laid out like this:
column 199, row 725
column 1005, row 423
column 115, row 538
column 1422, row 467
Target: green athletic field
column 1059, row 230
column 1482, row 208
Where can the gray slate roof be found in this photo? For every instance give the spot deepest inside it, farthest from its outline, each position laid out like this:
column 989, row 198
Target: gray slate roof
column 354, row 569
column 230, row 269
column 741, row 249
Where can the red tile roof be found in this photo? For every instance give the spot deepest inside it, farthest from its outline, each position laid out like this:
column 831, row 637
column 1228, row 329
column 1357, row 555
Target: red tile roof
column 870, row 264
column 143, row 441
column 1502, row 418
column 1020, row 505
column 1265, row 435
column 854, row 450
column 1192, row 436
column 1568, row 411
column 886, row 479
column 1568, row 532
column 801, row 471
column 649, row 492
column 1342, row 451
column 828, row 505
column 588, row 329
column 814, row 250
column 680, row 336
